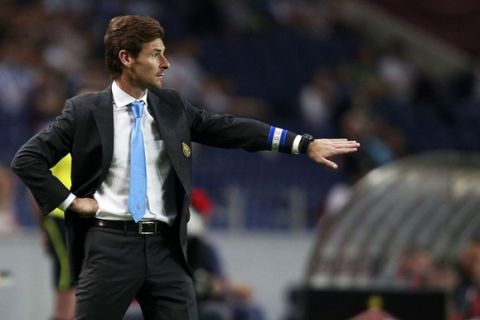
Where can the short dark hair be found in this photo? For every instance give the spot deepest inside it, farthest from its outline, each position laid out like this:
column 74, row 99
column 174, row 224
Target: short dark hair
column 128, row 33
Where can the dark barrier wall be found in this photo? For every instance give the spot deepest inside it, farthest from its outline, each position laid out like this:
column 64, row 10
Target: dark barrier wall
column 335, row 304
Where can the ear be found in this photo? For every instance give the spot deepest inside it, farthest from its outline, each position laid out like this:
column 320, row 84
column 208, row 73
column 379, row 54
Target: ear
column 125, row 58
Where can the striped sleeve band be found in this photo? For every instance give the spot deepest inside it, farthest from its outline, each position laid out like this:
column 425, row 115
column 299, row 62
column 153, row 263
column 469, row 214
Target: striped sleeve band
column 276, row 138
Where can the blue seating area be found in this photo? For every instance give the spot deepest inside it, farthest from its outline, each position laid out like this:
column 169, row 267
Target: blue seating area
column 273, row 65
column 263, row 182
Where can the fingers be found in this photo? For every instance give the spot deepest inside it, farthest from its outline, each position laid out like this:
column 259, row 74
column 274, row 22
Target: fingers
column 333, row 146
column 345, row 143
column 341, row 146
column 85, row 207
column 330, row 164
column 324, row 161
column 344, row 150
column 334, row 151
column 321, row 149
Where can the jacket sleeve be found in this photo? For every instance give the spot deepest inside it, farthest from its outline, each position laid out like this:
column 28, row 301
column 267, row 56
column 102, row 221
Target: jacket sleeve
column 227, row 131
column 34, row 159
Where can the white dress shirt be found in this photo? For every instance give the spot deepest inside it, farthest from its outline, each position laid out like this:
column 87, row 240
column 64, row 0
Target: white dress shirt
column 112, row 196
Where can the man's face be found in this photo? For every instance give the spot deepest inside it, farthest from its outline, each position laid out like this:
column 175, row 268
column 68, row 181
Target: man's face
column 149, row 67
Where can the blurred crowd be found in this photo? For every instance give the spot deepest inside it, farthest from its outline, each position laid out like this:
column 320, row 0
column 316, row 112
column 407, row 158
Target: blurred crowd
column 50, row 50
column 53, row 49
column 417, row 270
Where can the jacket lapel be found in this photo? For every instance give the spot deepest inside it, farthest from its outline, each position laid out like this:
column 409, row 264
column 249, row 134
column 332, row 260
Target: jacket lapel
column 103, row 115
column 168, row 117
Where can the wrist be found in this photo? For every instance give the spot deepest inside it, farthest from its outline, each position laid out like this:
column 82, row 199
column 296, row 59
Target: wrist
column 305, row 141
column 67, row 203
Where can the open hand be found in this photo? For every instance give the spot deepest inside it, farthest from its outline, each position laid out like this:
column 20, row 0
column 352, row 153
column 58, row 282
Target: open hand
column 321, row 149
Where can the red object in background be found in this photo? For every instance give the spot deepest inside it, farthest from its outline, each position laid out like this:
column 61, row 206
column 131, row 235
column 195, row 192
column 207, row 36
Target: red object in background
column 201, row 202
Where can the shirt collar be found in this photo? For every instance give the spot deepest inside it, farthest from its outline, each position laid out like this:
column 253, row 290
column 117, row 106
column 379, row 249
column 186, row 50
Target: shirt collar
column 121, row 99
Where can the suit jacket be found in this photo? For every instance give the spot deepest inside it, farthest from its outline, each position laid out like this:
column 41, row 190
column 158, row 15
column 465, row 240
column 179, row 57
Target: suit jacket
column 85, row 129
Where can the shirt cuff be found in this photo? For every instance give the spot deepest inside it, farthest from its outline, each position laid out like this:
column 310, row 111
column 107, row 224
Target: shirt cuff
column 67, row 202
column 296, row 143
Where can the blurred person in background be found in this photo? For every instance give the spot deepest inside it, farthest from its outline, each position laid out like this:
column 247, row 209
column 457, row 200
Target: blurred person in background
column 186, row 73
column 414, row 269
column 217, row 96
column 467, row 293
column 315, row 100
column 357, row 122
column 8, row 223
column 53, row 226
column 397, row 71
column 128, row 206
column 308, row 15
column 219, row 297
column 45, row 101
column 417, row 270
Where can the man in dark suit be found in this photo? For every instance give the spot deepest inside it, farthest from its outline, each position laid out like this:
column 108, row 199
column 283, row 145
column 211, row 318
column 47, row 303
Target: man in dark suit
column 127, row 210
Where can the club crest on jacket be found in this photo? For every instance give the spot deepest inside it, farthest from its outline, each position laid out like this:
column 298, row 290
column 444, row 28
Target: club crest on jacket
column 186, row 150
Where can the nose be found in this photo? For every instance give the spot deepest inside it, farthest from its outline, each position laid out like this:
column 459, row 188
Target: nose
column 165, row 63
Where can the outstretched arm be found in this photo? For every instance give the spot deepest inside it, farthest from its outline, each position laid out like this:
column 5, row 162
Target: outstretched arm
column 227, row 131
column 319, row 150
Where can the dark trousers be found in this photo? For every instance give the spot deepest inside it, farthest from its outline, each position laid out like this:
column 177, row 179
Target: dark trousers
column 122, row 265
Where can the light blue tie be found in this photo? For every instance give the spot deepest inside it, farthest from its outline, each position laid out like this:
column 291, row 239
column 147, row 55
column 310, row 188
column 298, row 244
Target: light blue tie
column 138, row 172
